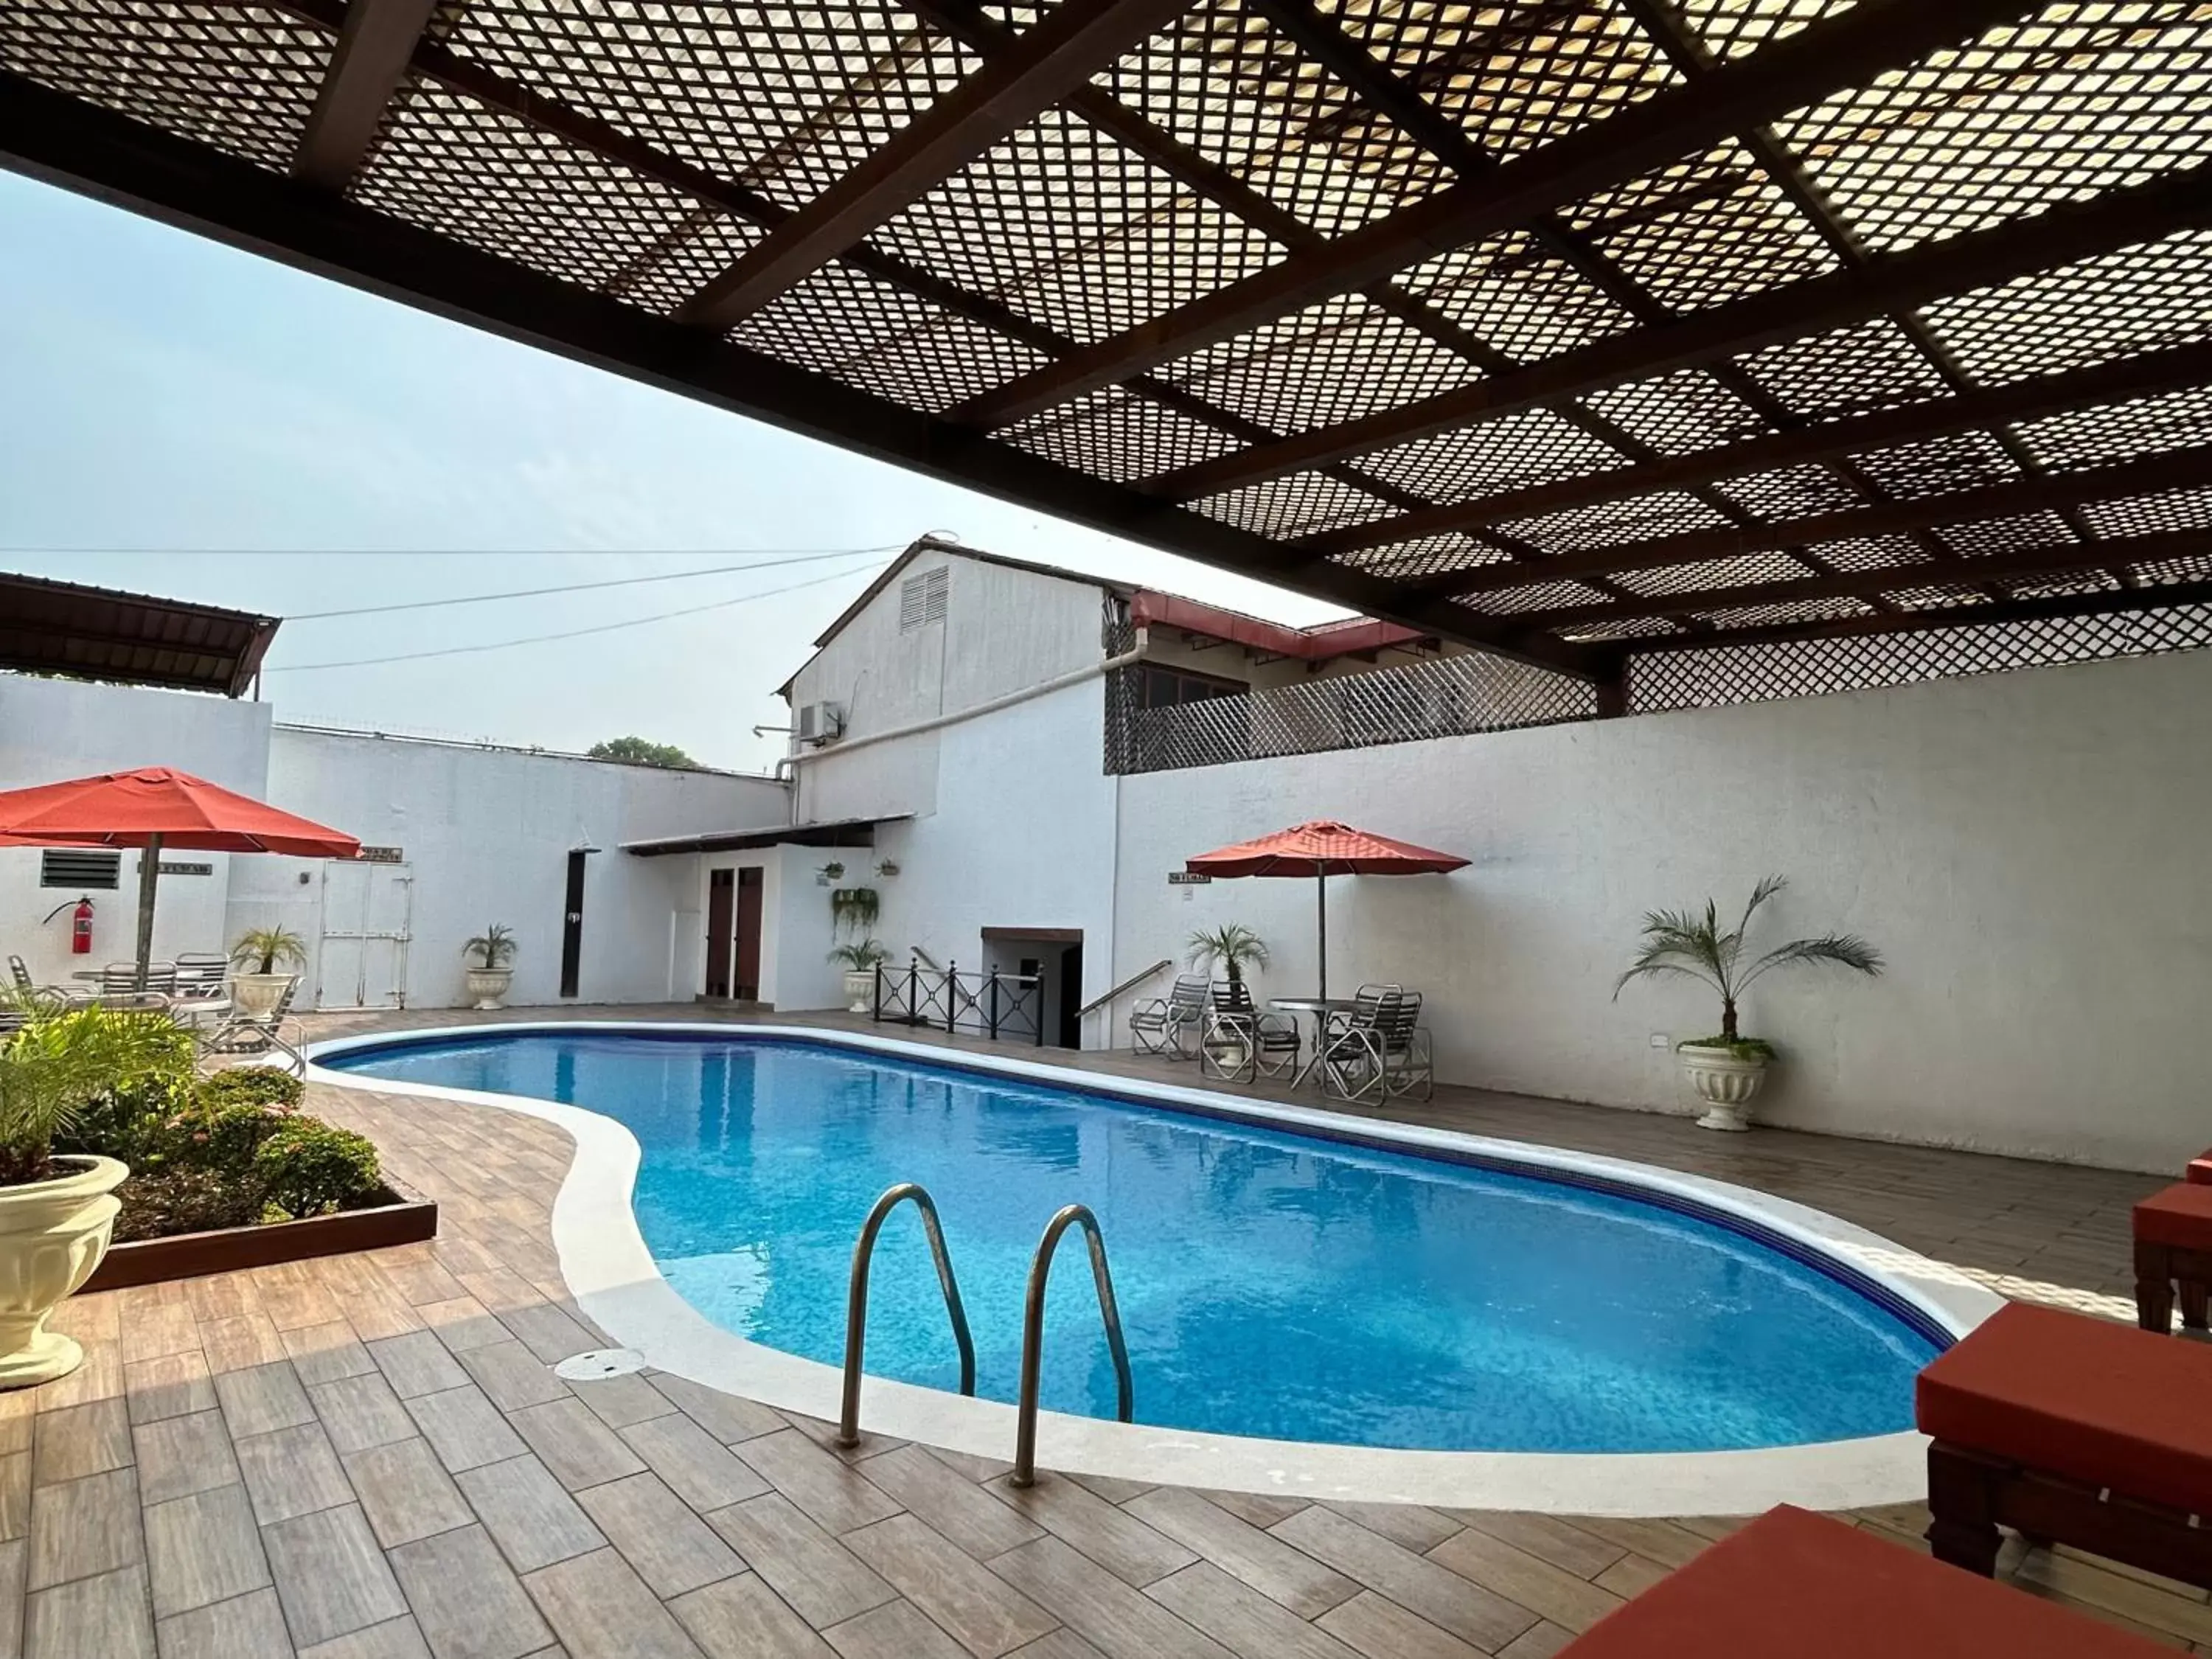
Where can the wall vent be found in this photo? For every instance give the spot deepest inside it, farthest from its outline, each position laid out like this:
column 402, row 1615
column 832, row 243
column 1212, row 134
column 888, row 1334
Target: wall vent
column 76, row 867
column 922, row 599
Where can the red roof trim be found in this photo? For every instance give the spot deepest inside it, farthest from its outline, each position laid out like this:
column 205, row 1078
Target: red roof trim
column 1317, row 644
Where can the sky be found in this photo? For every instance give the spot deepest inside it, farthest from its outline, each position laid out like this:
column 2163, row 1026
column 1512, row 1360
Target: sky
column 181, row 418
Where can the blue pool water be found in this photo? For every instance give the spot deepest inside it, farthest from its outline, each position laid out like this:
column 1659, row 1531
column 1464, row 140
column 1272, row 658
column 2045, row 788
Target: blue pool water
column 1270, row 1284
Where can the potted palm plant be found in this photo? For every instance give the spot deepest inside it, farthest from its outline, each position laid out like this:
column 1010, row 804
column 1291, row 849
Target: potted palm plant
column 489, row 974
column 57, row 1211
column 860, row 959
column 1726, row 1070
column 259, row 983
column 1232, row 947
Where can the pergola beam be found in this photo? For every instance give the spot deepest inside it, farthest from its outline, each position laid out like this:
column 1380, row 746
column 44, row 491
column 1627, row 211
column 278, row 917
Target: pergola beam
column 2052, row 608
column 1933, row 271
column 375, row 41
column 81, row 147
column 2062, row 558
column 2013, row 404
column 1074, row 42
column 1842, row 51
column 2175, row 469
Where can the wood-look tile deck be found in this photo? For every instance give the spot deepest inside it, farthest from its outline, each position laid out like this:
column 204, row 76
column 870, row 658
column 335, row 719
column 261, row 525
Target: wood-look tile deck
column 370, row 1457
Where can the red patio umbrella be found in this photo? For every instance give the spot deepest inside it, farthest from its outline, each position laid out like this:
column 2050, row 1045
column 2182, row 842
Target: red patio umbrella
column 156, row 807
column 1321, row 849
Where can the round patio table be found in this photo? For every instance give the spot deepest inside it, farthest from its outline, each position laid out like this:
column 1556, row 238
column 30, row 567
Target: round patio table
column 1321, row 1008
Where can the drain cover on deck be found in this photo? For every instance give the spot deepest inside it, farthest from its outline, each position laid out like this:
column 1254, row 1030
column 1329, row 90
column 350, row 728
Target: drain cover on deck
column 599, row 1364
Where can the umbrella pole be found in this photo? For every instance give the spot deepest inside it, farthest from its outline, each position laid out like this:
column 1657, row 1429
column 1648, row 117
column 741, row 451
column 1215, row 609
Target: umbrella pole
column 1321, row 894
column 149, row 871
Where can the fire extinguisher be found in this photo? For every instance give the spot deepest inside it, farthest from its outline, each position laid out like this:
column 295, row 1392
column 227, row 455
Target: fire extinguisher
column 80, row 925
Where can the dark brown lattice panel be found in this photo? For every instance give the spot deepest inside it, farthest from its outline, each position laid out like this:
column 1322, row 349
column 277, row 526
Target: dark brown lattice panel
column 1426, row 555
column 1522, row 302
column 1533, row 446
column 2146, row 515
column 240, row 78
column 1678, row 413
column 485, row 179
column 1332, row 363
column 869, row 334
column 1713, row 572
column 2086, row 312
column 1120, row 434
column 1872, row 365
column 824, row 83
column 1514, row 76
column 1075, row 230
column 1796, row 492
column 1443, row 697
column 2086, row 97
column 1302, row 504
column 1706, row 231
column 1809, row 668
column 1642, row 518
column 2094, row 437
column 1226, row 83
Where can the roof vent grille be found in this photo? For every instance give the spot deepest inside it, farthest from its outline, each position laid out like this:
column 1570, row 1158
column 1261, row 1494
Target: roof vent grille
column 922, row 599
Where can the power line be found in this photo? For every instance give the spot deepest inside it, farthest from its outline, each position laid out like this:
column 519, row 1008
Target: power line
column 542, row 639
column 586, row 587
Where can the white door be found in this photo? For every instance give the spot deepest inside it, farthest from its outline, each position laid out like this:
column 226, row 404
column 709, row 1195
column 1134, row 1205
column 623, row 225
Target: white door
column 362, row 963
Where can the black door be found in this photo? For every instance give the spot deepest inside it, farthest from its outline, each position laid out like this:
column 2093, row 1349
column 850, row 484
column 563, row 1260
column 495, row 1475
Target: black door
column 1071, row 997
column 750, row 892
column 572, row 926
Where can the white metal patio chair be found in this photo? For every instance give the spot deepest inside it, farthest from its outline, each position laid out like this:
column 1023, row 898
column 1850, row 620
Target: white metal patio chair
column 202, row 992
column 1381, row 1050
column 1169, row 1026
column 250, row 1036
column 1241, row 1042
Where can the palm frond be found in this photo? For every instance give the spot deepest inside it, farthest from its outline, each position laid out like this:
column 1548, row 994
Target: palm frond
column 1841, row 949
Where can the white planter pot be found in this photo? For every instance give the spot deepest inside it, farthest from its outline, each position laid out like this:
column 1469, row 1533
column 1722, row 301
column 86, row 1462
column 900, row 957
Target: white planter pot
column 1725, row 1082
column 256, row 995
column 52, row 1235
column 860, row 990
column 489, row 984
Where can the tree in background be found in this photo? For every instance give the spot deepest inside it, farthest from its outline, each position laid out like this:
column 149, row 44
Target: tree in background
column 640, row 751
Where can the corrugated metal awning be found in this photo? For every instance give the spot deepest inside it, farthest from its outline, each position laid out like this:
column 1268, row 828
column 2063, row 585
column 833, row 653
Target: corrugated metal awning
column 835, row 832
column 133, row 639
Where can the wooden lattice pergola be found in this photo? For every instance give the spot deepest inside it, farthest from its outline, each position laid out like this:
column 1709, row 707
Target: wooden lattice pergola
column 1694, row 349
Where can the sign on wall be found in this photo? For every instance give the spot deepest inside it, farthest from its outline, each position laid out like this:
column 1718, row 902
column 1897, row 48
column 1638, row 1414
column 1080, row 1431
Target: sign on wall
column 383, row 856
column 169, row 869
column 1187, row 878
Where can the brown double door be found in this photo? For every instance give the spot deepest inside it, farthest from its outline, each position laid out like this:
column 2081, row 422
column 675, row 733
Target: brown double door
column 733, row 933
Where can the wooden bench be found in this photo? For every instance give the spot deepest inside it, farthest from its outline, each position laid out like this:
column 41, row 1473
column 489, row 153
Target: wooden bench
column 1793, row 1585
column 2173, row 1246
column 2075, row 1431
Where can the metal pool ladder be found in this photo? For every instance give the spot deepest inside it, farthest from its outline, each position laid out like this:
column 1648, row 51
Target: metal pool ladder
column 1025, row 1473
column 856, row 1301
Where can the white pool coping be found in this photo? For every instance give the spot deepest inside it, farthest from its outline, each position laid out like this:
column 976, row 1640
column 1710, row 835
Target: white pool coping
column 613, row 1277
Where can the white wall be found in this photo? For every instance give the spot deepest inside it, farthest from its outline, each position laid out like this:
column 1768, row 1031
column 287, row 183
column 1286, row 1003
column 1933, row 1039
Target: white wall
column 54, row 730
column 2026, row 850
column 1018, row 833
column 486, row 834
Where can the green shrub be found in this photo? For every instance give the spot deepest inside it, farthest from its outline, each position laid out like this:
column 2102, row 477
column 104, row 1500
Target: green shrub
column 223, row 1136
column 308, row 1168
column 257, row 1085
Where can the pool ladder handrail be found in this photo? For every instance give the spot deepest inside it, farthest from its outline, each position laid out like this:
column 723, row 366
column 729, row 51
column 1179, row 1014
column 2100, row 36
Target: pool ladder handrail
column 856, row 1300
column 1025, row 1409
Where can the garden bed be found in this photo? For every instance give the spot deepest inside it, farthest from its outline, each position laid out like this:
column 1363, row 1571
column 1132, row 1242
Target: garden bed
column 402, row 1217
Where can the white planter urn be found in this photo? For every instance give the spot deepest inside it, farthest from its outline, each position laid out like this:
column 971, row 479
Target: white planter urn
column 1725, row 1082
column 256, row 995
column 489, row 986
column 52, row 1235
column 860, row 990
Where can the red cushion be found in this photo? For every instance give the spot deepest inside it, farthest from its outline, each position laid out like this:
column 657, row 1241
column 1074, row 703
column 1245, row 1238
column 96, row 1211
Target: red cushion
column 1797, row 1586
column 2086, row 1398
column 2200, row 1169
column 2181, row 1215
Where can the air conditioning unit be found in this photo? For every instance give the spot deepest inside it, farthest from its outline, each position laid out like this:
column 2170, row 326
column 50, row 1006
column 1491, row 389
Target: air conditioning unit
column 820, row 722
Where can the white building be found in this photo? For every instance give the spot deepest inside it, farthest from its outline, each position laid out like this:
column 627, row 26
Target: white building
column 1013, row 759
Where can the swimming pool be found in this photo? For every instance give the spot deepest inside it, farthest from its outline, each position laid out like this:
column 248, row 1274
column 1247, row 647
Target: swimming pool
column 1272, row 1284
